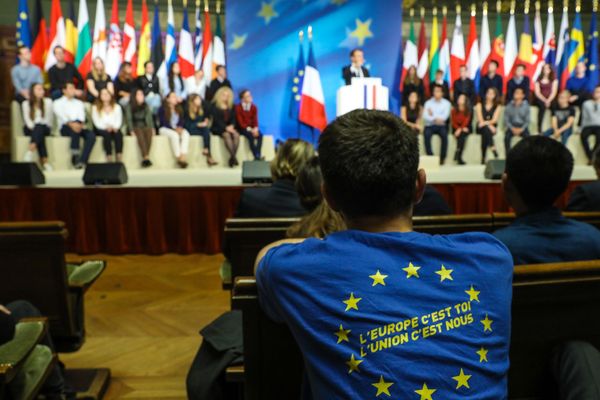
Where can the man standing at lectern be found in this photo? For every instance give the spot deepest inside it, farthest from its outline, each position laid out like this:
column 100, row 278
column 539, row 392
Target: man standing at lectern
column 356, row 69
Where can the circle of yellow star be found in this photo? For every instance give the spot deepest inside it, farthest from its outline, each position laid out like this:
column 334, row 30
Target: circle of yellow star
column 487, row 324
column 473, row 294
column 362, row 31
column 267, row 11
column 445, row 274
column 382, row 386
column 411, row 270
column 352, row 302
column 482, row 355
column 353, row 364
column 342, row 334
column 378, row 278
column 425, row 392
column 23, row 16
column 238, row 41
column 462, row 379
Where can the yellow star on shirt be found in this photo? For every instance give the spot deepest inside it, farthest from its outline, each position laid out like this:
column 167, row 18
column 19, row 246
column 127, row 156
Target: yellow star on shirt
column 238, row 41
column 353, row 364
column 342, row 334
column 352, row 302
column 487, row 324
column 473, row 294
column 462, row 379
column 362, row 31
column 378, row 278
column 382, row 386
column 482, row 355
column 425, row 392
column 411, row 270
column 445, row 274
column 267, row 11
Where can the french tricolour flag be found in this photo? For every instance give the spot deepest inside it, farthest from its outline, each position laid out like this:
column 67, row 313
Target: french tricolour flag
column 186, row 48
column 312, row 103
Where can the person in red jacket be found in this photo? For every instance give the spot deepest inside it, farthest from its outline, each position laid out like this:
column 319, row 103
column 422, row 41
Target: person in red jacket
column 461, row 125
column 246, row 118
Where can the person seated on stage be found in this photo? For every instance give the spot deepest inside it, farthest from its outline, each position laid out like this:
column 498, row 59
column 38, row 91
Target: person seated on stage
column 519, row 81
column 223, row 122
column 488, row 116
column 538, row 171
column 246, row 117
column 516, row 118
column 97, row 79
column 124, row 84
column 412, row 83
column 151, row 87
column 491, row 80
column 196, row 84
column 37, row 118
column 412, row 113
column 432, row 203
column 586, row 197
column 196, row 122
column 172, row 118
column 546, row 90
column 174, row 84
column 107, row 118
column 356, row 69
column 577, row 85
column 217, row 83
column 436, row 113
column 563, row 119
column 461, row 126
column 281, row 198
column 439, row 80
column 63, row 72
column 70, row 119
column 464, row 85
column 590, row 123
column 24, row 74
column 378, row 282
column 140, row 123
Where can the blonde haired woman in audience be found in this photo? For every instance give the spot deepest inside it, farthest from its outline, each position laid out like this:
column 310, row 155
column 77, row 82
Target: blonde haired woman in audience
column 97, row 79
column 107, row 118
column 223, row 122
column 171, row 125
column 37, row 115
column 140, row 123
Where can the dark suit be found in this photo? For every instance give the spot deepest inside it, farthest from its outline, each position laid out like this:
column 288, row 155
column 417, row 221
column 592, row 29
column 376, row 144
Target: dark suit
column 214, row 86
column 277, row 200
column 585, row 198
column 433, row 203
column 466, row 87
column 347, row 74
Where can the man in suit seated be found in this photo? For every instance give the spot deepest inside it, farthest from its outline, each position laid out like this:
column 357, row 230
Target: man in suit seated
column 377, row 310
column 355, row 69
column 587, row 197
column 217, row 83
column 538, row 170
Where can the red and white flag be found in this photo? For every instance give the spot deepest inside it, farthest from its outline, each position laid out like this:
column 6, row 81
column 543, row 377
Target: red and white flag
column 207, row 48
column 473, row 51
column 57, row 33
column 186, row 48
column 423, row 50
column 312, row 102
column 538, row 48
column 114, row 54
column 410, row 58
column 129, row 44
column 457, row 52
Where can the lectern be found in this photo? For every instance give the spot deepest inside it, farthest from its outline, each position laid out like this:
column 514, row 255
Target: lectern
column 363, row 93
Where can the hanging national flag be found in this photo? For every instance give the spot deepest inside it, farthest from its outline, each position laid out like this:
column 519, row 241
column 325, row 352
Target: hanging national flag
column 39, row 35
column 473, row 59
column 457, row 53
column 23, row 30
column 144, row 46
column 485, row 48
column 550, row 40
column 198, row 39
column 70, row 35
column 114, row 54
column 186, row 48
column 576, row 44
column 297, row 83
column 411, row 58
column 526, row 48
column 100, row 43
column 562, row 64
column 422, row 49
column 170, row 48
column 497, row 53
column 593, row 73
column 57, row 33
column 218, row 47
column 312, row 103
column 434, row 48
column 511, row 48
column 157, row 55
column 538, row 47
column 129, row 45
column 83, row 56
column 445, row 51
column 207, row 48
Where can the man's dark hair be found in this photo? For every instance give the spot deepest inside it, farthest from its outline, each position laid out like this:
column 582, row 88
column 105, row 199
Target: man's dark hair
column 369, row 160
column 495, row 63
column 354, row 51
column 146, row 63
column 64, row 85
column 219, row 67
column 436, row 86
column 56, row 48
column 242, row 93
column 21, row 48
column 540, row 169
column 521, row 66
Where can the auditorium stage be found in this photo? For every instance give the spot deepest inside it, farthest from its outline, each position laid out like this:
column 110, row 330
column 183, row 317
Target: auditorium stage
column 184, row 211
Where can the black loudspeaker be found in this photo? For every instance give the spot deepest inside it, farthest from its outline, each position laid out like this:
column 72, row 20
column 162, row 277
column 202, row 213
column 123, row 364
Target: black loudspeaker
column 105, row 174
column 21, row 174
column 256, row 172
column 494, row 169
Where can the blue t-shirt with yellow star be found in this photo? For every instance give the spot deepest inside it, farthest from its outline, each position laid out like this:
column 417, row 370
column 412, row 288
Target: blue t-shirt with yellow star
column 395, row 315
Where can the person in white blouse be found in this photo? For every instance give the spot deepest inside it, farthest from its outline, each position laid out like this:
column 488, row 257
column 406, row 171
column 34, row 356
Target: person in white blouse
column 196, row 84
column 107, row 117
column 37, row 116
column 70, row 118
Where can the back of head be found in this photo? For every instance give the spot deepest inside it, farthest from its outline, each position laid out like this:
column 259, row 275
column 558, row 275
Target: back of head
column 290, row 159
column 369, row 160
column 308, row 184
column 539, row 168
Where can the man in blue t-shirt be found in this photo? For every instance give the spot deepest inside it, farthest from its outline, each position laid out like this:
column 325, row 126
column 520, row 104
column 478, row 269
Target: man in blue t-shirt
column 380, row 311
column 538, row 170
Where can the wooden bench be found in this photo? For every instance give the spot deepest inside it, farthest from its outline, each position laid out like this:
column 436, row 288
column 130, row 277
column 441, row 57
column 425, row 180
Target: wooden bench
column 552, row 303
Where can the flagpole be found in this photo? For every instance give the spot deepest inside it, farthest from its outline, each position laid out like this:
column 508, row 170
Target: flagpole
column 298, row 123
column 312, row 129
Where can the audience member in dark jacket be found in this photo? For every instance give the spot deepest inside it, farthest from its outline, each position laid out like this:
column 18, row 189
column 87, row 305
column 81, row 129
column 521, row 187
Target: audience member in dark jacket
column 464, row 85
column 491, row 80
column 432, row 203
column 63, row 72
column 518, row 81
column 586, row 197
column 217, row 83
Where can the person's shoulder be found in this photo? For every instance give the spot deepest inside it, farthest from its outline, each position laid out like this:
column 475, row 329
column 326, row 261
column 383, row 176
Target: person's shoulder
column 285, row 256
column 481, row 241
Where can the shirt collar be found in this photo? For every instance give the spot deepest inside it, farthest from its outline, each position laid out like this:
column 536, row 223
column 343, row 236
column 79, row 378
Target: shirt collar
column 544, row 215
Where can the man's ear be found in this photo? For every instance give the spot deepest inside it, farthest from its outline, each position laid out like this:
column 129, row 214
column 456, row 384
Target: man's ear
column 330, row 200
column 420, row 184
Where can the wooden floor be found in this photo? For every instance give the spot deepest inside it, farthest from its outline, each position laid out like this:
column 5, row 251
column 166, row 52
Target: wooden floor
column 142, row 318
